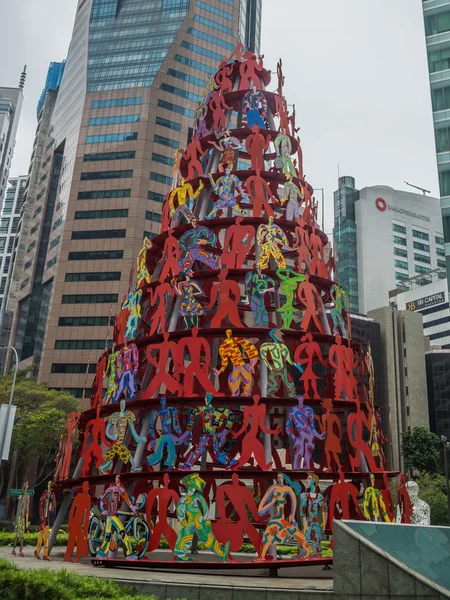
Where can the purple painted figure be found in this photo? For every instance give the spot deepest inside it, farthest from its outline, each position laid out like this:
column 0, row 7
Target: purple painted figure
column 227, row 187
column 301, row 429
column 127, row 364
column 193, row 245
column 169, row 437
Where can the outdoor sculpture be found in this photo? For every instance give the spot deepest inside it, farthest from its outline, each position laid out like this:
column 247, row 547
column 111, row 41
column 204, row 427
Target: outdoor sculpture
column 47, row 510
column 196, row 350
column 193, row 246
column 132, row 304
column 127, row 363
column 22, row 520
column 64, row 456
column 259, row 192
column 165, row 444
column 257, row 285
column 277, row 367
column 313, row 509
column 289, row 283
column 256, row 145
column 307, row 354
column 227, row 144
column 237, row 244
column 226, row 293
column 78, row 525
column 301, row 428
column 405, row 506
column 182, row 208
column 420, row 509
column 283, row 147
column 164, row 497
column 94, row 438
column 270, row 237
column 226, row 187
column 373, row 504
column 254, row 108
column 234, row 349
column 294, row 197
column 142, row 271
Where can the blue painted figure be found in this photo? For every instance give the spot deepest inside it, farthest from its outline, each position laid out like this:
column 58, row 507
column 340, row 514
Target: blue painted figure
column 254, row 108
column 313, row 511
column 193, row 245
column 301, row 429
column 132, row 302
column 256, row 286
column 226, row 187
column 169, row 438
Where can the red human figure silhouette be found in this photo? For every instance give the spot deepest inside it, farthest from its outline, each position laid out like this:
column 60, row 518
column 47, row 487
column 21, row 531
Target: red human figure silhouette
column 120, row 324
column 158, row 315
column 344, row 501
column 249, row 70
column 78, row 525
column 169, row 258
column 356, row 421
column 387, row 498
column 299, row 158
column 71, row 424
column 165, row 351
column 228, row 293
column 310, row 298
column 304, row 354
column 96, row 428
column 331, row 265
column 282, row 112
column 165, row 217
column 163, row 497
column 338, row 360
column 192, row 154
column 302, row 245
column 257, row 187
column 405, row 506
column 237, row 244
column 352, row 363
column 97, row 385
column 199, row 352
column 241, row 501
column 316, row 247
column 256, row 145
column 59, row 459
column 223, row 80
column 254, row 417
column 218, row 107
column 331, row 425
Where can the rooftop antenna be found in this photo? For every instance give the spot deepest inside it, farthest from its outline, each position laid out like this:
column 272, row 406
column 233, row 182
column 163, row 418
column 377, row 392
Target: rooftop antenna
column 423, row 190
column 23, row 77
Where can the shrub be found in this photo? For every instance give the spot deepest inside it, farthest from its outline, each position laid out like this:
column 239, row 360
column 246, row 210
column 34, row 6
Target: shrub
column 7, row 539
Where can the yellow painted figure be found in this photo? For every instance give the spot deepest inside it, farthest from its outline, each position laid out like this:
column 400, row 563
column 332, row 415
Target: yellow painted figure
column 111, row 374
column 373, row 505
column 47, row 509
column 22, row 520
column 143, row 274
column 270, row 238
column 181, row 194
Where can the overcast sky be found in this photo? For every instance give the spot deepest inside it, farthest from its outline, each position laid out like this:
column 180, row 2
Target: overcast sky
column 356, row 70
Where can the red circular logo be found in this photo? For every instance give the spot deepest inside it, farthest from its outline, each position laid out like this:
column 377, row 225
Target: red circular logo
column 380, row 203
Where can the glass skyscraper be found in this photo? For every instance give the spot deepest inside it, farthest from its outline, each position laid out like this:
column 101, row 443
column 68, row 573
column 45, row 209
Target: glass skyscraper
column 133, row 76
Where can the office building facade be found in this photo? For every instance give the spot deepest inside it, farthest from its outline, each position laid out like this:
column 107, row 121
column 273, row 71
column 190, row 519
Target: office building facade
column 384, row 236
column 437, row 34
column 438, row 383
column 132, row 80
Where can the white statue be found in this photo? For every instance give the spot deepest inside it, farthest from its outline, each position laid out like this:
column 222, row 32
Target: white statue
column 420, row 509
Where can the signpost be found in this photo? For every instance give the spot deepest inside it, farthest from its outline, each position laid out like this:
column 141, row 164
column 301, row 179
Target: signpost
column 20, row 492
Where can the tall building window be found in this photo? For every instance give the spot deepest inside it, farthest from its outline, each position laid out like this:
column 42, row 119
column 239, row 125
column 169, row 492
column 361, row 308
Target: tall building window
column 116, row 102
column 213, row 24
column 95, row 175
column 439, row 60
column 77, row 368
column 115, row 213
column 100, row 156
column 401, row 264
column 100, row 276
column 96, row 255
column 79, row 344
column 156, row 197
column 422, row 258
column 420, row 269
column 209, row 38
column 165, row 160
column 399, row 276
column 168, row 124
column 101, row 194
column 437, row 23
column 421, row 235
column 215, row 11
column 401, row 252
column 161, row 178
column 179, row 92
column 420, row 246
column 159, row 139
column 399, row 240
column 192, row 63
column 111, row 137
column 186, row 77
column 99, row 234
column 114, row 120
column 398, row 228
column 153, row 216
column 89, row 298
column 176, row 108
column 201, row 50
column 85, row 321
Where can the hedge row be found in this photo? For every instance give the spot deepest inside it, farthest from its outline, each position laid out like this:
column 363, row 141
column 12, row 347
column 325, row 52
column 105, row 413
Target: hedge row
column 7, row 539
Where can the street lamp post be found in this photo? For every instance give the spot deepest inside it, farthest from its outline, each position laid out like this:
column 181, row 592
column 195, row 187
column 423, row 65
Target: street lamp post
column 446, row 444
column 8, row 412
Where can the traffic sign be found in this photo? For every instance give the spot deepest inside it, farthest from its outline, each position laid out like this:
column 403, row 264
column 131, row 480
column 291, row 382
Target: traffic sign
column 20, row 492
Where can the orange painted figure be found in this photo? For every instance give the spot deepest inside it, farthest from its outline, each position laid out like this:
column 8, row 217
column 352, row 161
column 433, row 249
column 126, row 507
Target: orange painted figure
column 79, row 525
column 199, row 360
column 227, row 292
column 332, row 427
column 260, row 193
column 218, row 107
column 96, row 428
column 71, row 424
column 237, row 244
column 97, row 384
column 250, row 70
column 310, row 298
column 256, row 145
column 304, row 354
column 170, row 257
column 356, row 423
column 158, row 315
column 233, row 349
column 165, row 351
column 193, row 153
column 162, row 496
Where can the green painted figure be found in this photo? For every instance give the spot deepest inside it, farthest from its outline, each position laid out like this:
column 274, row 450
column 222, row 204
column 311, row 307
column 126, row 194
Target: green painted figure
column 290, row 280
column 277, row 367
column 111, row 373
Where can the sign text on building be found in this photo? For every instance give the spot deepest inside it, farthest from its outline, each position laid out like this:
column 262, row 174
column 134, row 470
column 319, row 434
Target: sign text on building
column 426, row 302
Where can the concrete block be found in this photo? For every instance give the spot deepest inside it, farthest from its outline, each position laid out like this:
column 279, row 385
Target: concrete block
column 216, row 593
column 183, row 592
column 346, row 563
column 249, row 594
column 400, row 582
column 423, row 590
column 374, row 573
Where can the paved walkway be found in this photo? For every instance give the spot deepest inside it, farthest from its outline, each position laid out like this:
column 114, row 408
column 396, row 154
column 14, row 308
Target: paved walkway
column 174, row 584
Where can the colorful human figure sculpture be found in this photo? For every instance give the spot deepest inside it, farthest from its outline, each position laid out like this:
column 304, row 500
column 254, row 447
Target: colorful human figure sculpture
column 157, row 306
column 283, row 147
column 118, row 425
column 192, row 512
column 289, row 283
column 310, row 298
column 254, row 108
column 301, row 428
column 344, row 500
column 22, row 520
column 242, row 504
column 331, row 425
column 111, row 374
column 227, row 144
column 281, row 109
column 47, row 510
column 281, row 527
column 97, row 384
column 338, row 360
column 78, row 525
column 313, row 511
column 109, row 504
column 377, row 438
column 302, row 245
column 271, row 238
column 257, row 285
column 226, row 187
column 184, row 196
column 341, row 303
column 254, row 422
column 218, row 106
column 169, row 259
column 373, row 503
column 127, row 365
column 191, row 309
column 193, row 244
column 294, row 197
column 164, row 497
column 261, row 196
column 256, row 145
column 307, row 353
column 162, row 376
column 227, row 293
column 193, row 153
column 250, row 69
column 133, row 304
column 356, row 422
column 94, row 438
column 198, row 353
column 71, row 424
column 142, row 271
column 317, row 255
column 234, row 350
column 216, row 424
column 237, row 244
column 165, row 444
column 387, row 498
column 223, row 80
column 405, row 507
column 277, row 366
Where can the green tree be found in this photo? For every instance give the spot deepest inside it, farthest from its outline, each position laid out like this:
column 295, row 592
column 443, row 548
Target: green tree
column 40, row 421
column 420, row 449
column 433, row 489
